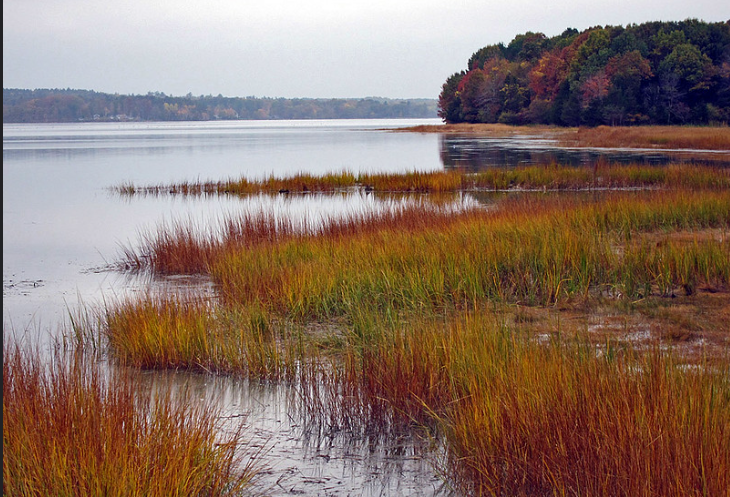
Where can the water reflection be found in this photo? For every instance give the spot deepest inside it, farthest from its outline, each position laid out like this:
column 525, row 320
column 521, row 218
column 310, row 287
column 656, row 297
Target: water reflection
column 300, row 456
column 473, row 153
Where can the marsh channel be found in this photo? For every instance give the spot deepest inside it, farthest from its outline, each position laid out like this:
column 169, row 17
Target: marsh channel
column 63, row 228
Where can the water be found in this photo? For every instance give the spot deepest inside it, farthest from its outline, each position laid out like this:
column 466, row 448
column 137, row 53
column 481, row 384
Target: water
column 472, row 153
column 305, row 458
column 63, row 227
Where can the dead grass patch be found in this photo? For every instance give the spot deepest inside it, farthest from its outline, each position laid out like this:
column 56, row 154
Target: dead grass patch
column 694, row 326
column 653, row 137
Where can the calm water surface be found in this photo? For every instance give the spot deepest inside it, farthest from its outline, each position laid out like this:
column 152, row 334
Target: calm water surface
column 62, row 227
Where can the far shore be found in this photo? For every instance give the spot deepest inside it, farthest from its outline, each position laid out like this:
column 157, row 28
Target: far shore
column 700, row 138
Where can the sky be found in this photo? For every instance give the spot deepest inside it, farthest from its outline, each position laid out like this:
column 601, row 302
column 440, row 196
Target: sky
column 287, row 48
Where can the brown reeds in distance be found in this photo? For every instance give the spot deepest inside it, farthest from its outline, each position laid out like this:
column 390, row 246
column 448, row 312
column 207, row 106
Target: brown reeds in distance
column 553, row 177
column 660, row 137
column 72, row 427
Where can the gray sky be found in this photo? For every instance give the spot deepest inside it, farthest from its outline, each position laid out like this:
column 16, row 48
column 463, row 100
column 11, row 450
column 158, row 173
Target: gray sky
column 287, row 48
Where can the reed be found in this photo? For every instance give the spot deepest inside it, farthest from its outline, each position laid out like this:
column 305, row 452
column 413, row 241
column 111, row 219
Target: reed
column 414, row 181
column 553, row 177
column 666, row 137
column 166, row 332
column 527, row 417
column 534, row 250
column 304, row 183
column 549, row 420
column 530, row 250
column 73, row 428
column 179, row 248
column 297, row 183
column 413, row 301
column 184, row 247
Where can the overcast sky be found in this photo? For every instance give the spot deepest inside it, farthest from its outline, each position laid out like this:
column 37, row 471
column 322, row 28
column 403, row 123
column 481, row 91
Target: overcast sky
column 287, row 48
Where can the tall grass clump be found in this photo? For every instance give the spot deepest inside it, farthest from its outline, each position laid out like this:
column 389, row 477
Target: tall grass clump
column 665, row 137
column 528, row 417
column 166, row 332
column 559, row 420
column 72, row 427
column 529, row 250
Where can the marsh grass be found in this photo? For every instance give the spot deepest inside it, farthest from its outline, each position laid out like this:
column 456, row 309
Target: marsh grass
column 72, row 427
column 184, row 247
column 522, row 416
column 553, row 177
column 664, row 137
column 529, row 418
column 164, row 332
column 529, row 250
column 413, row 301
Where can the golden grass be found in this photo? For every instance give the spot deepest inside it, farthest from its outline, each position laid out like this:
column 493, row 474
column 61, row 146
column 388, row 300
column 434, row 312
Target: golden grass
column 525, row 415
column 494, row 328
column 659, row 137
column 72, row 428
column 164, row 332
column 532, row 249
column 181, row 247
column 552, row 177
column 527, row 418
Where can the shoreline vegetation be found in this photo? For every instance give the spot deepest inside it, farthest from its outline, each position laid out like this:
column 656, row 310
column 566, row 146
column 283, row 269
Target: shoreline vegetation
column 589, row 328
column 696, row 138
column 554, row 178
column 568, row 337
column 73, row 427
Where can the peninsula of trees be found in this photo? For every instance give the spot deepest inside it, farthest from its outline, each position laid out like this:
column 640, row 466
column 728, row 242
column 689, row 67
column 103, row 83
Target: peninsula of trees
column 67, row 105
column 652, row 73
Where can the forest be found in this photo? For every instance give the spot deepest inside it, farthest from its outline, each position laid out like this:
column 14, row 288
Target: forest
column 68, row 105
column 650, row 73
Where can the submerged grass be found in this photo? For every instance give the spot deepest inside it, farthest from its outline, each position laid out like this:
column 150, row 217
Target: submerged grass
column 73, row 428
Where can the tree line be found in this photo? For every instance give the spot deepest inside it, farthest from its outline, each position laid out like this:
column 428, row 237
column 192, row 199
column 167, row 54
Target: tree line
column 68, row 105
column 651, row 73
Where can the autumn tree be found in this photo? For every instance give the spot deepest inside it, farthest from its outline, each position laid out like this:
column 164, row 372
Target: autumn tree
column 656, row 72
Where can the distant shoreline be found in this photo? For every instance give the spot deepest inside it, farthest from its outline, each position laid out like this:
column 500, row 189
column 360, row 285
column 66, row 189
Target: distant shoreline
column 700, row 138
column 65, row 106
